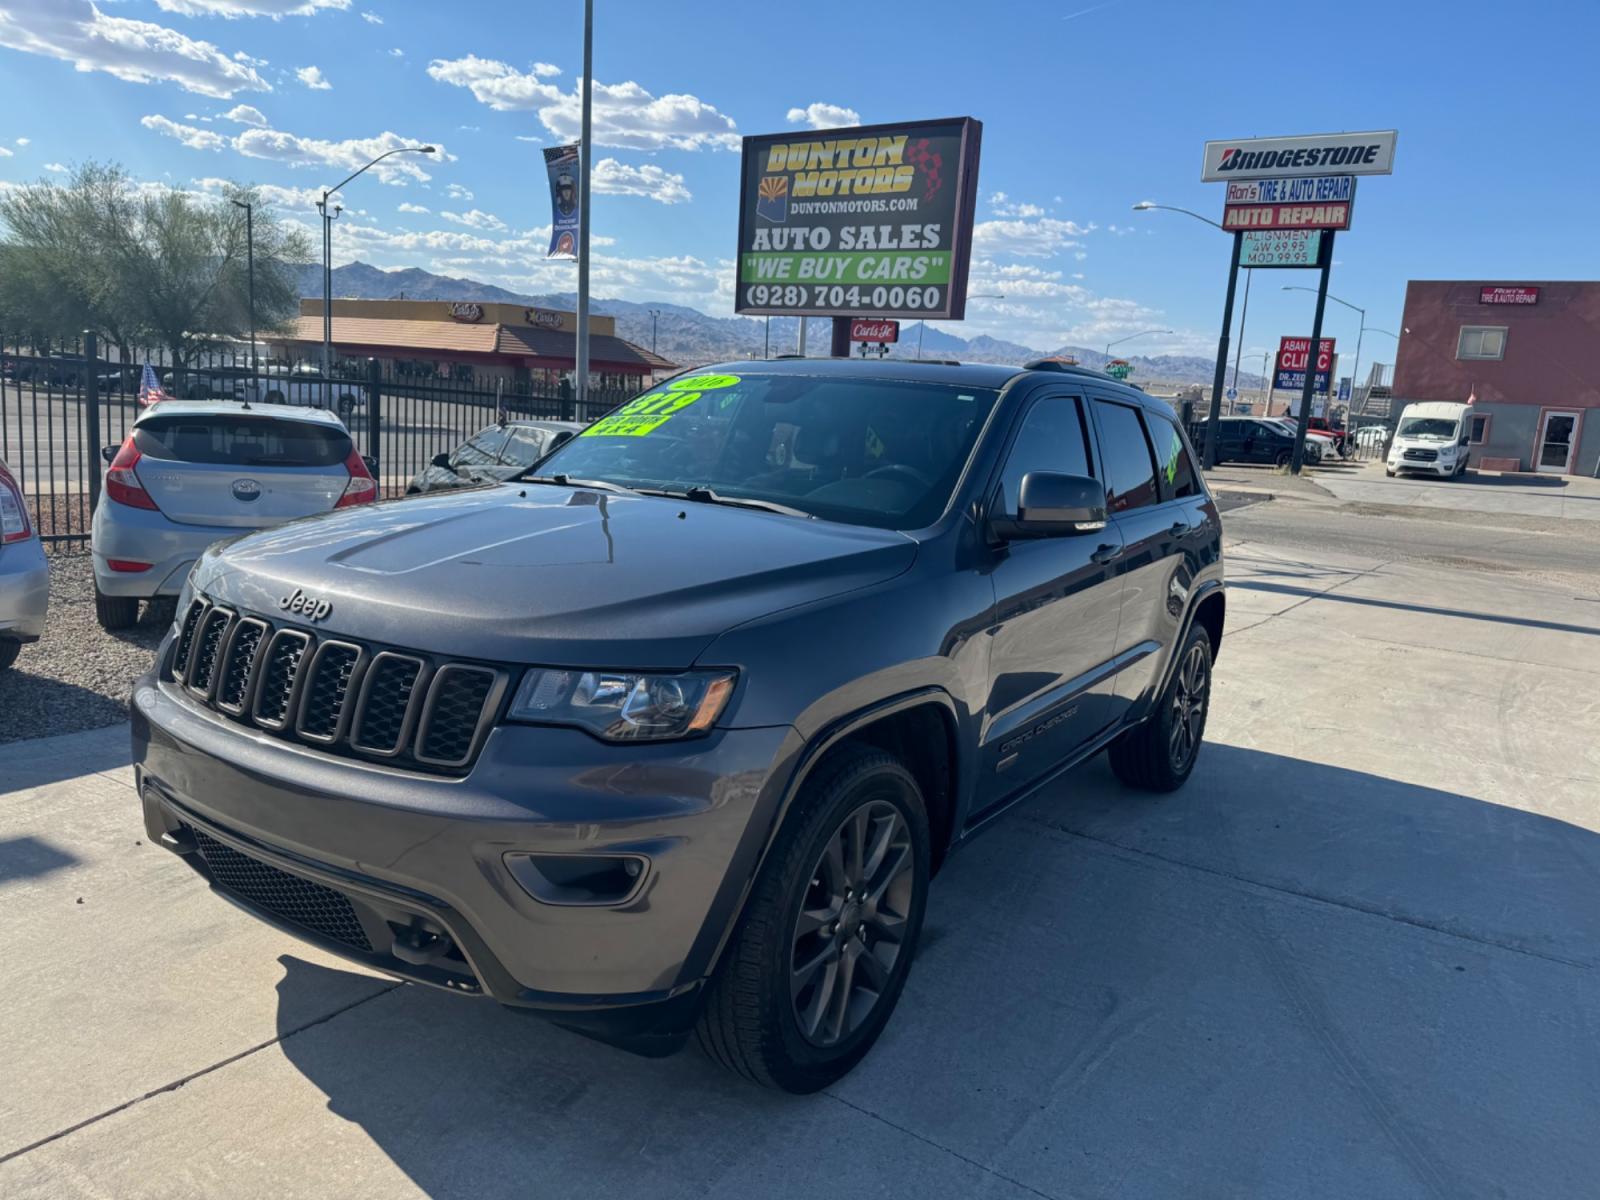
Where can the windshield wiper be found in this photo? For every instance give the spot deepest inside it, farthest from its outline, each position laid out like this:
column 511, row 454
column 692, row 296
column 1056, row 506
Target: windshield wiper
column 705, row 495
column 599, row 485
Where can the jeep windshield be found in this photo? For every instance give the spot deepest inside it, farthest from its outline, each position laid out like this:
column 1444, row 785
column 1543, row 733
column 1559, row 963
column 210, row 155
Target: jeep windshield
column 1428, row 427
column 885, row 453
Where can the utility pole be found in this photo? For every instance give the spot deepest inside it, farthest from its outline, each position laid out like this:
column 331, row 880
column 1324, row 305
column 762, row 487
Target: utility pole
column 800, row 347
column 1314, row 355
column 654, row 313
column 585, row 155
column 1238, row 351
column 1222, row 355
column 250, row 256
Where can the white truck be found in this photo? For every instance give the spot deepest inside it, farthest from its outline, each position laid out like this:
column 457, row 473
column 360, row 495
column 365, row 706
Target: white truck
column 304, row 385
column 1431, row 439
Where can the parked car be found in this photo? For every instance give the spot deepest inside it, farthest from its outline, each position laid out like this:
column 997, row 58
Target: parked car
column 671, row 733
column 24, row 573
column 1339, row 437
column 1431, row 438
column 191, row 472
column 304, row 385
column 1248, row 439
column 1372, row 437
column 492, row 454
column 1318, row 446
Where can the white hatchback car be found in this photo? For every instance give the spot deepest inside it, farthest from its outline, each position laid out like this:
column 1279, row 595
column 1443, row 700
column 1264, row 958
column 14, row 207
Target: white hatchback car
column 194, row 472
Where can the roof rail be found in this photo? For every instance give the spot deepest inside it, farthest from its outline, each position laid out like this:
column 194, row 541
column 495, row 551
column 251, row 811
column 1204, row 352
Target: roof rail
column 938, row 362
column 1055, row 364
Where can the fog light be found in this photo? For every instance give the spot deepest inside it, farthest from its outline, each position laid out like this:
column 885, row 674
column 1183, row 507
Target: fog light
column 578, row 879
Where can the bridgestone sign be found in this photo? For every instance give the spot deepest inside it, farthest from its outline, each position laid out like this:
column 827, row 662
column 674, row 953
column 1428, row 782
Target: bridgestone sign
column 1322, row 154
column 870, row 221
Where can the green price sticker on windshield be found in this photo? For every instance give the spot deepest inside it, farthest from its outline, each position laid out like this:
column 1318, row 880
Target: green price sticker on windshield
column 642, row 415
column 702, row 383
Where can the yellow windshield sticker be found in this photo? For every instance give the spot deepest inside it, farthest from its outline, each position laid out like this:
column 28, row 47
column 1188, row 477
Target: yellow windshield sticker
column 642, row 415
column 702, row 383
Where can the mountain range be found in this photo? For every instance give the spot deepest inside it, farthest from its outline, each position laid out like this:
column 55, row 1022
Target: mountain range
column 689, row 337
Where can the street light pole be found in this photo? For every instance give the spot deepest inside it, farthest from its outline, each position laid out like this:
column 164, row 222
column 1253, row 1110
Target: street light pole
column 654, row 313
column 585, row 156
column 1355, row 371
column 1130, row 338
column 327, row 261
column 1238, row 353
column 250, row 258
column 1210, row 454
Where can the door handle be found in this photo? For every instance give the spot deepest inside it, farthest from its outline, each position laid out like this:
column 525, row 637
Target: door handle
column 1180, row 529
column 1106, row 554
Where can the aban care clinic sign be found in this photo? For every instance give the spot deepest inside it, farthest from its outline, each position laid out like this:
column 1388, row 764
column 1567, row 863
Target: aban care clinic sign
column 1319, row 154
column 875, row 220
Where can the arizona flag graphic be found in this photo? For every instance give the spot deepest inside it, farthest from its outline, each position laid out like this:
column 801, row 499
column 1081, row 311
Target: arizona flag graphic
column 772, row 200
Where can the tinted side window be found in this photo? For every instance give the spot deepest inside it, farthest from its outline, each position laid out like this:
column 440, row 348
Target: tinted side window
column 1051, row 439
column 1125, row 451
column 1173, row 463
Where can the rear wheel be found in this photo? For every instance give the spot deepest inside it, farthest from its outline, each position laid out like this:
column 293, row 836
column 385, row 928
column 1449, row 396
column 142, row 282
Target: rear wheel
column 1159, row 755
column 822, row 951
column 115, row 612
column 1282, row 460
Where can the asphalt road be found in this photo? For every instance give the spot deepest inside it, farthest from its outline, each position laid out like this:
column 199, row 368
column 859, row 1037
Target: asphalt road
column 1357, row 955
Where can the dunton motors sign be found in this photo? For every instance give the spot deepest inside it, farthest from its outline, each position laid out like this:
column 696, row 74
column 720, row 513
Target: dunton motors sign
column 1319, row 154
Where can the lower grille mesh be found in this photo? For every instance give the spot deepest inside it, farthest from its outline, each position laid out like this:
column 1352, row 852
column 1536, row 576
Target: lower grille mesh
column 319, row 909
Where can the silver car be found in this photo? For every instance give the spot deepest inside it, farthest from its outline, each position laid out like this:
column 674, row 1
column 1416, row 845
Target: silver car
column 194, row 472
column 24, row 573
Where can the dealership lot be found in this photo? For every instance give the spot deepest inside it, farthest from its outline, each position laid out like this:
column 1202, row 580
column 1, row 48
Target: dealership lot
column 1345, row 960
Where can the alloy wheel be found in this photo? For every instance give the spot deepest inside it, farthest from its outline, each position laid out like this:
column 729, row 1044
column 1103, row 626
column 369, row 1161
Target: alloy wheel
column 851, row 928
column 1189, row 698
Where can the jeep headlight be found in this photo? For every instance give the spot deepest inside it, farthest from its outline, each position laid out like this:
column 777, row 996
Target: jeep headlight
column 623, row 706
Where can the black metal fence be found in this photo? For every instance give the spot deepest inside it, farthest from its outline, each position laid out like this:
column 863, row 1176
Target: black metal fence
column 60, row 403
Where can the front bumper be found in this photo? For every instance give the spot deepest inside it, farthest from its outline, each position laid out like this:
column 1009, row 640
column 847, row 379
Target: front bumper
column 1442, row 469
column 414, row 855
column 24, row 591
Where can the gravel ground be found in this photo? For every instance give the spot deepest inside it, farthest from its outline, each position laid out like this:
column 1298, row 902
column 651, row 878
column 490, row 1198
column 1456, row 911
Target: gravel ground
column 77, row 676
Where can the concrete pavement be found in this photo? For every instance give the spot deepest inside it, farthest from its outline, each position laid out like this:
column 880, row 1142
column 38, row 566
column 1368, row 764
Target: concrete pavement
column 1356, row 956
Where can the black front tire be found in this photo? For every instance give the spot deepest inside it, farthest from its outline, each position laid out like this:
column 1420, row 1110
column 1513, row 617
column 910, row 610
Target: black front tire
column 751, row 1021
column 116, row 612
column 1159, row 755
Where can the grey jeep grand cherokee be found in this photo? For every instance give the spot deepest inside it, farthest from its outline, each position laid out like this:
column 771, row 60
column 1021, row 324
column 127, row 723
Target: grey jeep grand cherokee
column 669, row 735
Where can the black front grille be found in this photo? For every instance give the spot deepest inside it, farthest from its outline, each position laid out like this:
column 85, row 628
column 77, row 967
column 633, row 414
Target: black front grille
column 311, row 906
column 1422, row 455
column 327, row 688
column 341, row 696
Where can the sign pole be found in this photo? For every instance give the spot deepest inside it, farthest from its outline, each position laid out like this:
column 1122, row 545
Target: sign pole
column 1238, row 351
column 841, row 338
column 1221, row 375
column 585, row 158
column 1312, row 359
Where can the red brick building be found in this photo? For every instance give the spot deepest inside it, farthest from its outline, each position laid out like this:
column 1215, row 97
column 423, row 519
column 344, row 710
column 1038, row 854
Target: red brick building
column 1528, row 353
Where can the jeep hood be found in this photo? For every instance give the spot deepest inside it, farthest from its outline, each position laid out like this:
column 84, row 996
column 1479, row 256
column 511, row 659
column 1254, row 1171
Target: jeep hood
column 540, row 574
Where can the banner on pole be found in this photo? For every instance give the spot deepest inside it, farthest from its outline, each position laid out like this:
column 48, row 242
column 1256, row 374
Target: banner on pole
column 561, row 163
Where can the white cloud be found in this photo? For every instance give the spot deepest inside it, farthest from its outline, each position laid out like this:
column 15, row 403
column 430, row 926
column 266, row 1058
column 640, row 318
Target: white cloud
column 5, row 152
column 312, row 78
column 270, row 193
column 397, row 53
column 1031, row 237
column 408, row 207
column 293, row 150
column 618, row 179
column 77, row 32
column 234, row 9
column 23, row 141
column 247, row 114
column 372, row 18
column 528, row 137
column 1004, row 206
column 58, row 168
column 824, row 116
column 190, row 135
column 625, row 114
column 475, row 218
column 247, row 60
column 456, row 192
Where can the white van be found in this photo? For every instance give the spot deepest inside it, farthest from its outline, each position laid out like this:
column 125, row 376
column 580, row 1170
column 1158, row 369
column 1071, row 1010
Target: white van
column 1431, row 438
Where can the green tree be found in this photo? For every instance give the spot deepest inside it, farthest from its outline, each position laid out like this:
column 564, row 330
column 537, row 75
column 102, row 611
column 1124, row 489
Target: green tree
column 143, row 263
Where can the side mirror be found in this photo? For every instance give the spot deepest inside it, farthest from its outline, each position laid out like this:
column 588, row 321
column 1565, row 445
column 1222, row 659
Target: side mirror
column 109, row 453
column 441, row 459
column 1055, row 505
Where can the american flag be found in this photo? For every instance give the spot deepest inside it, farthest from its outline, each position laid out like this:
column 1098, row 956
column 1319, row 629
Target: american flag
column 150, row 389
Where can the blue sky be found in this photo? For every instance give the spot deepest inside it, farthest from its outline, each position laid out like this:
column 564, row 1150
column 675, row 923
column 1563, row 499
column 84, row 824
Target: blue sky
column 1087, row 108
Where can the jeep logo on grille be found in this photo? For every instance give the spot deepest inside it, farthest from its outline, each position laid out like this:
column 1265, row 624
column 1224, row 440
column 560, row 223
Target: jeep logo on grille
column 312, row 608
